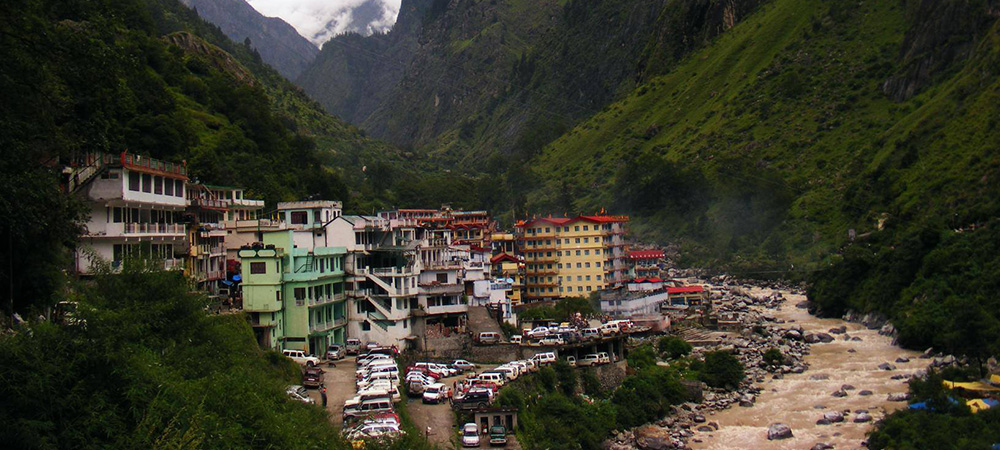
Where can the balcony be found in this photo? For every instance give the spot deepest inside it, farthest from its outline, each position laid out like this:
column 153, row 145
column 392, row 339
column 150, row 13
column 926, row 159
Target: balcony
column 320, row 327
column 247, row 203
column 443, row 265
column 392, row 271
column 447, row 309
column 210, row 203
column 151, row 228
column 441, row 288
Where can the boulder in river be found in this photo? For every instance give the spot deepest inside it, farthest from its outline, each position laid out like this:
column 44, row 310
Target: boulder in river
column 886, row 366
column 902, row 359
column 823, row 421
column 824, row 338
column 898, row 397
column 822, row 446
column 839, row 393
column 819, row 376
column 847, row 387
column 863, row 418
column 778, row 431
column 833, row 416
column 651, row 437
column 865, row 393
column 839, row 330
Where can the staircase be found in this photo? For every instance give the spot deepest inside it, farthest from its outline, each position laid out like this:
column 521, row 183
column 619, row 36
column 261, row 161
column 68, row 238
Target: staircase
column 93, row 165
column 480, row 320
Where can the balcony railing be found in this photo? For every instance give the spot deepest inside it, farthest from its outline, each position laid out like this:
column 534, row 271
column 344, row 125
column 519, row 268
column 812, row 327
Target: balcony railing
column 153, row 228
column 443, row 265
column 130, row 160
column 210, row 203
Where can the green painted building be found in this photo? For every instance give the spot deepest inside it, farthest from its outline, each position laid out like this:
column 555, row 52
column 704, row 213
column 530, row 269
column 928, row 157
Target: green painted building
column 293, row 291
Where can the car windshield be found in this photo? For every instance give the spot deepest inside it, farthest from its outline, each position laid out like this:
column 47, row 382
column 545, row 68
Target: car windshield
column 498, row 430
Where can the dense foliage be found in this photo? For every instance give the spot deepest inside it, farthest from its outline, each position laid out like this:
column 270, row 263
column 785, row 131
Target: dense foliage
column 673, row 347
column 560, row 311
column 551, row 416
column 720, row 369
column 946, row 424
column 146, row 367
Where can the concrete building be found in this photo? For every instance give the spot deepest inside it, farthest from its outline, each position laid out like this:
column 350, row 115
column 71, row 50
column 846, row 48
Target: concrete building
column 136, row 207
column 572, row 257
column 205, row 215
column 645, row 263
column 510, row 269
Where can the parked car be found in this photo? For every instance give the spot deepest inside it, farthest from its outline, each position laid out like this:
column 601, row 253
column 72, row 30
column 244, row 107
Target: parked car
column 312, row 377
column 604, row 358
column 374, row 430
column 516, row 339
column 537, row 332
column 588, row 360
column 492, row 377
column 368, row 407
column 571, row 360
column 352, row 346
column 590, row 333
column 470, row 435
column 462, row 365
column 475, row 398
column 298, row 393
column 363, row 360
column 488, row 338
column 609, row 329
column 498, row 436
column 551, row 341
column 508, row 372
column 544, row 358
column 436, row 393
column 334, row 352
column 301, row 357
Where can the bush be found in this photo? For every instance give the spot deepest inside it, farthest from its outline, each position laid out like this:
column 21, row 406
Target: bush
column 673, row 347
column 591, row 385
column 721, row 370
column 566, row 375
column 773, row 357
column 642, row 357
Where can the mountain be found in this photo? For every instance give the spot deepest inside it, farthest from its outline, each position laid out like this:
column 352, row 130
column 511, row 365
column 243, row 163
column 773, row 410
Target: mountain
column 278, row 43
column 322, row 20
column 505, row 76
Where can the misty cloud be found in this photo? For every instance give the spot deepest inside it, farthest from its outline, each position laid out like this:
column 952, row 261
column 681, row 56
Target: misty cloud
column 320, row 20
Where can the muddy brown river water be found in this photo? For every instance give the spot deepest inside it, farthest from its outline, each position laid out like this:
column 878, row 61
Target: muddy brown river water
column 795, row 399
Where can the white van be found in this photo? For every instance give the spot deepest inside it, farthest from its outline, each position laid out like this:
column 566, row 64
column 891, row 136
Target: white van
column 301, row 357
column 516, row 339
column 590, row 333
column 603, row 358
column 492, row 377
column 488, row 338
column 509, row 372
column 545, row 358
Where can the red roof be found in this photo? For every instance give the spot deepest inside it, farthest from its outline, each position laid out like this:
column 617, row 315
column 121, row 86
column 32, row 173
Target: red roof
column 685, row 289
column 646, row 254
column 647, row 280
column 503, row 257
column 604, row 219
column 559, row 221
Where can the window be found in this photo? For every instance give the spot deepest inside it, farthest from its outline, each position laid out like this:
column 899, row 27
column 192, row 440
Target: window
column 585, row 228
column 300, row 294
column 586, row 252
column 576, row 228
column 585, row 240
column 133, row 181
column 258, row 267
column 579, row 278
column 147, row 182
column 587, row 265
column 299, row 218
column 178, row 188
column 577, row 253
column 117, row 212
column 579, row 266
column 579, row 288
column 316, row 216
column 597, row 239
column 442, row 278
column 598, row 278
column 565, row 228
column 277, row 298
column 168, row 187
column 547, row 229
column 588, row 288
column 365, row 326
column 577, row 240
column 158, row 185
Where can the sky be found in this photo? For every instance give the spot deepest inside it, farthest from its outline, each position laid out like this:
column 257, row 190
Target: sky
column 320, row 20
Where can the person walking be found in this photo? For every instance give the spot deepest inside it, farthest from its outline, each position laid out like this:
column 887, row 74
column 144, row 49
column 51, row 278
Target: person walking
column 322, row 394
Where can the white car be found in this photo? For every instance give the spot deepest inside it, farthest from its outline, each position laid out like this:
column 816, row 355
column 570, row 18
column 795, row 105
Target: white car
column 374, row 431
column 588, row 360
column 436, row 393
column 590, row 333
column 470, row 435
column 299, row 393
column 301, row 357
column 604, row 358
column 463, row 365
column 551, row 341
column 538, row 332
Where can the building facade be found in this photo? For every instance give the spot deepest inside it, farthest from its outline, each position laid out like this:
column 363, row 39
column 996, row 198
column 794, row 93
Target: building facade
column 136, row 206
column 572, row 257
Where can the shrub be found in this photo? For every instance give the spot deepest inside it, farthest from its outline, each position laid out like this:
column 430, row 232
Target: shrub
column 773, row 357
column 642, row 357
column 721, row 370
column 673, row 347
column 566, row 375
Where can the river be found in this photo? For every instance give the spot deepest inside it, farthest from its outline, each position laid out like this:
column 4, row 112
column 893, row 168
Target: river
column 795, row 400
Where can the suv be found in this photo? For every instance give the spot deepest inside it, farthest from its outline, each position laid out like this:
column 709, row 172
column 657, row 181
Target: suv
column 544, row 359
column 436, row 393
column 353, row 346
column 604, row 358
column 498, row 435
column 313, row 377
column 588, row 360
column 334, row 352
column 472, row 400
column 301, row 357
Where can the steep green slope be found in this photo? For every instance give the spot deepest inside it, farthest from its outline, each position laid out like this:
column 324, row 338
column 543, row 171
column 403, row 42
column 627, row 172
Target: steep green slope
column 765, row 151
column 781, row 116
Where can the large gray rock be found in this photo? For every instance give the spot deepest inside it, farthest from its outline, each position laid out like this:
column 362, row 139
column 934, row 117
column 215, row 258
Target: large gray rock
column 886, row 366
column 651, row 437
column 824, row 338
column 863, row 418
column 839, row 393
column 865, row 393
column 778, row 431
column 833, row 416
column 898, row 397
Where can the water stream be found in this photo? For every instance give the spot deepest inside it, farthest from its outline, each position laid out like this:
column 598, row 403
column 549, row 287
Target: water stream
column 795, row 400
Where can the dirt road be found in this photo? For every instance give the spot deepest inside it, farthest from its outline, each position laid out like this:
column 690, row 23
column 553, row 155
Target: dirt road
column 339, row 387
column 439, row 418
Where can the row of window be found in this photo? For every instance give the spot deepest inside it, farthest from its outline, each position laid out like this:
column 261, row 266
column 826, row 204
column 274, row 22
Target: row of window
column 566, row 229
column 324, row 315
column 158, row 251
column 586, row 240
column 532, row 290
column 144, row 182
column 139, row 215
column 560, row 278
column 313, row 293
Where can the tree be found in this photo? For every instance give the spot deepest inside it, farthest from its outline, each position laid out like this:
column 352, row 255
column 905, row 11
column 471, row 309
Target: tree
column 773, row 357
column 673, row 347
column 721, row 370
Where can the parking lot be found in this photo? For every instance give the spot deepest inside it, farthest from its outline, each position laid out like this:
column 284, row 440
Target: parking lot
column 339, row 383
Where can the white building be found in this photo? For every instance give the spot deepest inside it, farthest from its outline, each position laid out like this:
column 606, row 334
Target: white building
column 136, row 205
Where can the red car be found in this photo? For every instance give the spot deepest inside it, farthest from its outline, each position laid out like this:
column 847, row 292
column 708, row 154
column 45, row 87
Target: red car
column 425, row 371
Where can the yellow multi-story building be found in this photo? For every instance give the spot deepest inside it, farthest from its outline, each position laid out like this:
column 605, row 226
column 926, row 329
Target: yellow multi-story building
column 572, row 257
